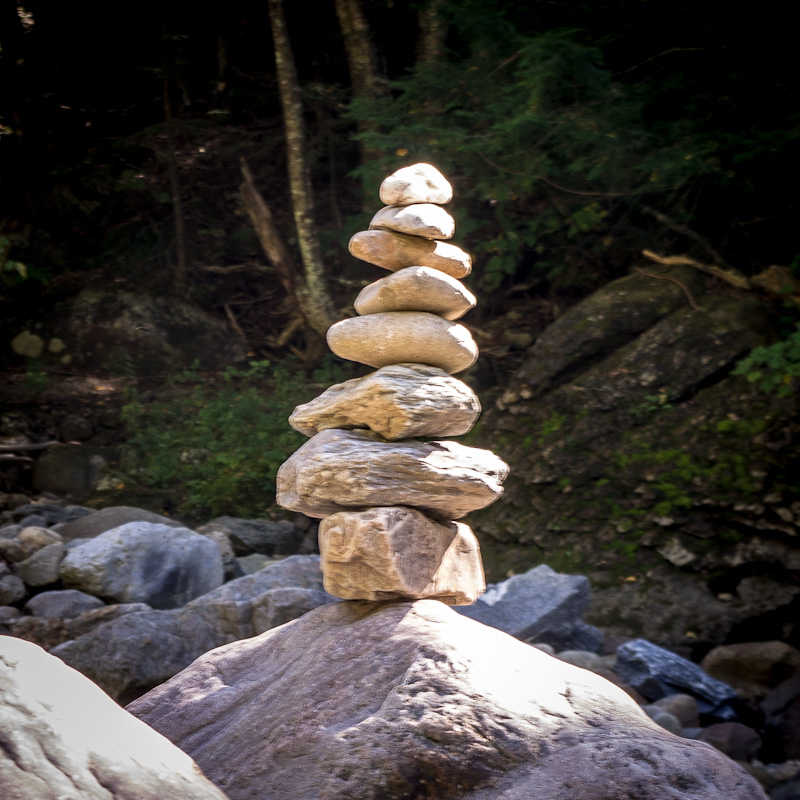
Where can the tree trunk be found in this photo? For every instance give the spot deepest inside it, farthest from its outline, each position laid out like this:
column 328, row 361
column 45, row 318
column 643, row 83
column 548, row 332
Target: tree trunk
column 362, row 62
column 314, row 288
column 432, row 33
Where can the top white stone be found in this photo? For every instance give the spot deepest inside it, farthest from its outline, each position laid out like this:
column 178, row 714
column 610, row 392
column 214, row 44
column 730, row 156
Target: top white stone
column 419, row 183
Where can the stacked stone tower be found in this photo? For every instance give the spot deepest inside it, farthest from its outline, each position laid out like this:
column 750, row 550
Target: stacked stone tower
column 387, row 500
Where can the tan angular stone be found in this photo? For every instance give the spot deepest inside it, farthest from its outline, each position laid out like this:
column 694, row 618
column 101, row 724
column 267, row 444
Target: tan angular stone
column 354, row 470
column 399, row 553
column 400, row 401
column 416, row 289
column 419, row 219
column 398, row 337
column 395, row 251
column 419, row 183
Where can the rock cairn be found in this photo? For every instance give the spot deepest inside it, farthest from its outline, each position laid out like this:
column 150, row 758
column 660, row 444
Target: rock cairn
column 387, row 499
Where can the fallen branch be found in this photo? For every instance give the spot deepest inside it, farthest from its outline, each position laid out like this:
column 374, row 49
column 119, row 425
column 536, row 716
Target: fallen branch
column 16, row 448
column 683, row 286
column 731, row 276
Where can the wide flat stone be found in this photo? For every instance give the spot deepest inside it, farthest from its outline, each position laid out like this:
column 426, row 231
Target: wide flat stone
column 399, row 553
column 354, row 470
column 398, row 337
column 395, row 251
column 420, row 219
column 419, row 183
column 416, row 289
column 400, row 401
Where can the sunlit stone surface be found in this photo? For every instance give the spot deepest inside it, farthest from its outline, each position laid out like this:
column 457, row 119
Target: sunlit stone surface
column 397, row 402
column 397, row 337
column 399, row 553
column 346, row 470
column 419, row 183
column 420, row 219
column 395, row 251
column 416, row 289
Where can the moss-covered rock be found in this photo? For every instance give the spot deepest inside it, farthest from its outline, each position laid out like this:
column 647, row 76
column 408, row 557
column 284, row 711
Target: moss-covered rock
column 639, row 460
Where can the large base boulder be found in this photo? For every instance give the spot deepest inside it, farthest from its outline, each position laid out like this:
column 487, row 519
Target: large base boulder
column 61, row 738
column 367, row 701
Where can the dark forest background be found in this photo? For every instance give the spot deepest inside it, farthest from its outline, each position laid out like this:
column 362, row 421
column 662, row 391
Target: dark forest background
column 139, row 145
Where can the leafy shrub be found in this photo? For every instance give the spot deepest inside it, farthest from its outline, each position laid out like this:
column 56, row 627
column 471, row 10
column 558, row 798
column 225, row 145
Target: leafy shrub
column 775, row 367
column 216, row 442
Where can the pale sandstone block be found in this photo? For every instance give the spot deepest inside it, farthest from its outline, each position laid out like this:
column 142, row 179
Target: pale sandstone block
column 419, row 183
column 400, row 401
column 354, row 470
column 416, row 289
column 395, row 251
column 419, row 219
column 398, row 337
column 399, row 553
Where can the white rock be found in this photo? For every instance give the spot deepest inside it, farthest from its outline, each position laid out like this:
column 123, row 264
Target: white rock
column 416, row 289
column 400, row 401
column 395, row 251
column 419, row 183
column 397, row 337
column 353, row 470
column 395, row 552
column 420, row 219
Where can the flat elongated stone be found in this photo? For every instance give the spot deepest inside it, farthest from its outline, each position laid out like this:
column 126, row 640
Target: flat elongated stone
column 419, row 183
column 416, row 289
column 353, row 470
column 395, row 251
column 419, row 219
column 400, row 401
column 399, row 553
column 398, row 337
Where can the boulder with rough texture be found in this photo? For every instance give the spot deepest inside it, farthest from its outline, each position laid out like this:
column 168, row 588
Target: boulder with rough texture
column 365, row 701
column 61, row 738
column 396, row 552
column 144, row 562
column 656, row 672
column 350, row 470
column 420, row 219
column 416, row 289
column 64, row 604
column 268, row 537
column 419, row 183
column 397, row 337
column 753, row 669
column 143, row 649
column 42, row 568
column 400, row 401
column 395, row 251
column 97, row 522
column 540, row 605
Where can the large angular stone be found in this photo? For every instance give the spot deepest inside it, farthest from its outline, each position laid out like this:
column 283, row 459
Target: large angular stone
column 395, row 251
column 400, row 401
column 419, row 183
column 391, row 701
column 395, row 552
column 397, row 337
column 420, row 219
column 416, row 289
column 347, row 470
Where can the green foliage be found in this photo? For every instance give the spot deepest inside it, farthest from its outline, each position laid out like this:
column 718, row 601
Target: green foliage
column 775, row 367
column 548, row 154
column 217, row 444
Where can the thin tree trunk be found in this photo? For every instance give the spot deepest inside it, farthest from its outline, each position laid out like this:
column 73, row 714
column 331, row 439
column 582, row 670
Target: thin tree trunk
column 365, row 75
column 432, row 34
column 321, row 314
